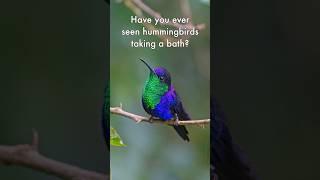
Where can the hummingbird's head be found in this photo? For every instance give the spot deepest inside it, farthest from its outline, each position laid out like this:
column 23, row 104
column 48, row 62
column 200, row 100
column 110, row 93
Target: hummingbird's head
column 160, row 73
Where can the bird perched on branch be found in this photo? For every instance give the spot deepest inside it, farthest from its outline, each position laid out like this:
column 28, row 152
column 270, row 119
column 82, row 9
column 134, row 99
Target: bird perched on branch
column 227, row 161
column 159, row 99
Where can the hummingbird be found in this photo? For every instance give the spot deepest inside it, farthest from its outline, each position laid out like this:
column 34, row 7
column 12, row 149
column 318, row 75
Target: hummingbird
column 159, row 99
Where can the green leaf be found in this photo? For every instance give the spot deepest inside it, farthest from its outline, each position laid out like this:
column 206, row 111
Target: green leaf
column 115, row 139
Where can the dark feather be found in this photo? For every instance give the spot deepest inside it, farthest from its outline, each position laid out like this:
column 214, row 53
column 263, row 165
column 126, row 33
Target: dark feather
column 183, row 132
column 182, row 115
column 229, row 162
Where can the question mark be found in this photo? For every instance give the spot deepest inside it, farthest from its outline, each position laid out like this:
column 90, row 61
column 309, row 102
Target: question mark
column 187, row 43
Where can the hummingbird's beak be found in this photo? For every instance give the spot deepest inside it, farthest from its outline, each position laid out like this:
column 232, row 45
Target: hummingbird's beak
column 151, row 70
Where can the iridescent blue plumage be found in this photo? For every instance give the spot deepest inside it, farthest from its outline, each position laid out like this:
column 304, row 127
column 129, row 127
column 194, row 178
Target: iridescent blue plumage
column 163, row 108
column 159, row 99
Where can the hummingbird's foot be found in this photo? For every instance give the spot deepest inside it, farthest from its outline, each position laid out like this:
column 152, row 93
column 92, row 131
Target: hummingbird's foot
column 150, row 119
column 176, row 122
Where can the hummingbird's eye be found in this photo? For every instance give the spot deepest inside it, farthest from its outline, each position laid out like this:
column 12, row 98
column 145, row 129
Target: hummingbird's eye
column 161, row 78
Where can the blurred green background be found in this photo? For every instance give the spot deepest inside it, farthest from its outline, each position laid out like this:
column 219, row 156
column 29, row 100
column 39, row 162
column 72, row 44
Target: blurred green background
column 156, row 152
column 53, row 70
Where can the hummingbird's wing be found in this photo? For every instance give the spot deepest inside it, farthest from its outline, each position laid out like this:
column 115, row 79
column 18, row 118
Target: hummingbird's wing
column 179, row 109
column 227, row 160
column 182, row 115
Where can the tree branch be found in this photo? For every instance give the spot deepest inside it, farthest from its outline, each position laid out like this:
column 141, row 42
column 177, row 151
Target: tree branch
column 28, row 156
column 138, row 119
column 185, row 8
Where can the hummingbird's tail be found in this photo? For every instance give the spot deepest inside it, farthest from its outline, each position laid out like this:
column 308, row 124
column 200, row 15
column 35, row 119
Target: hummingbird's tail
column 182, row 131
column 182, row 115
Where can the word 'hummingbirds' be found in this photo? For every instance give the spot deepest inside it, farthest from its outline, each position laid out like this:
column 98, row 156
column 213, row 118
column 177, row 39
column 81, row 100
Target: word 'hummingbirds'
column 159, row 99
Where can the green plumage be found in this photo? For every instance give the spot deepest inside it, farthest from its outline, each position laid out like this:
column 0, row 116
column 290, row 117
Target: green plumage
column 153, row 90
